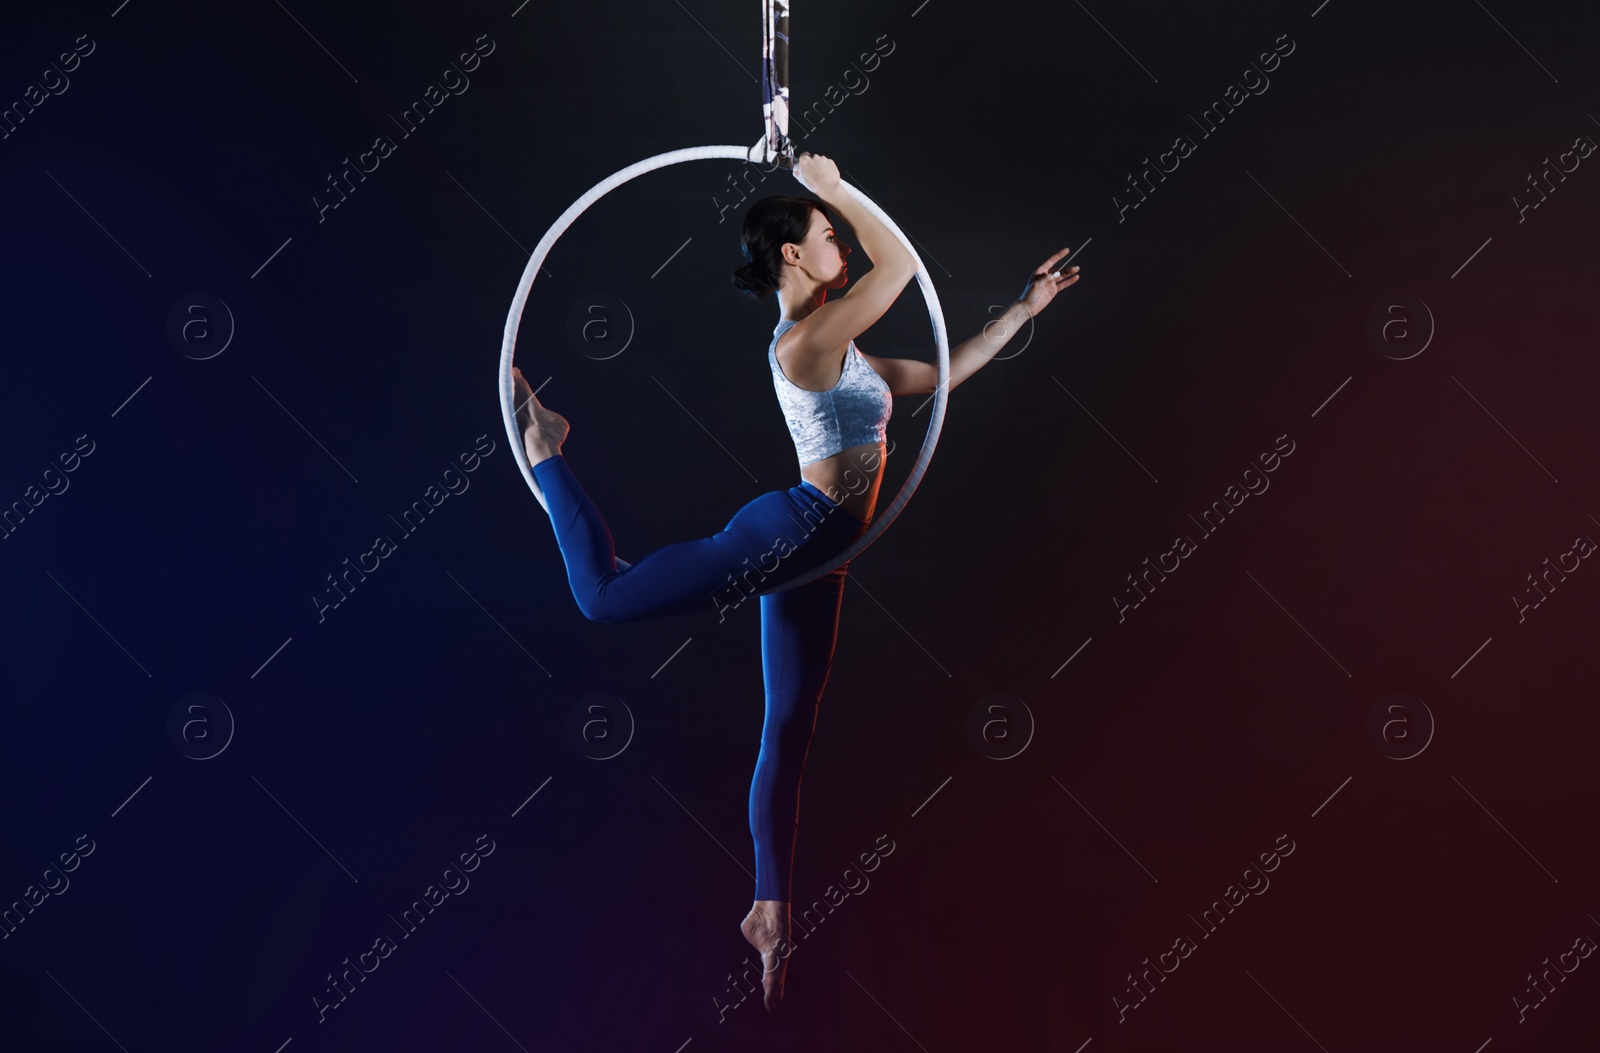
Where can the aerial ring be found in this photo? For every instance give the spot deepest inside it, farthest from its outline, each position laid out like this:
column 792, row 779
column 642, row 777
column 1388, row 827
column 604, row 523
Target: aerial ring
column 725, row 153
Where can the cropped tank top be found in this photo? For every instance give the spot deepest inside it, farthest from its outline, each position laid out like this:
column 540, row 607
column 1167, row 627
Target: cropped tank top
column 853, row 412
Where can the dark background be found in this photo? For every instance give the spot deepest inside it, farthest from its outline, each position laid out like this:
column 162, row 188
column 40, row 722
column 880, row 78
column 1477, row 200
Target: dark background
column 1231, row 709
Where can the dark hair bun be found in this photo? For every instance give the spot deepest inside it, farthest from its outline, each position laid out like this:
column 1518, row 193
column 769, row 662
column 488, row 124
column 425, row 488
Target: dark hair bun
column 753, row 279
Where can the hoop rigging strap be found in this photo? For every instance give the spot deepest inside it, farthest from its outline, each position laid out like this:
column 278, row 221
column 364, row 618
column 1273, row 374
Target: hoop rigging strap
column 774, row 147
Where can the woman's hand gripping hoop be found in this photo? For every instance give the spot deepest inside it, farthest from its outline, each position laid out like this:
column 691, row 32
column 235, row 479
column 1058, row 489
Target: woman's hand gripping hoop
column 725, row 153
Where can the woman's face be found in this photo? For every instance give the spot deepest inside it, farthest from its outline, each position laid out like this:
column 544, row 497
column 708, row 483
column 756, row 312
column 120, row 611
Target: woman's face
column 822, row 256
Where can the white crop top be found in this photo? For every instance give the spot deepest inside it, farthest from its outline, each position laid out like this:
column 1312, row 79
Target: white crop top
column 853, row 412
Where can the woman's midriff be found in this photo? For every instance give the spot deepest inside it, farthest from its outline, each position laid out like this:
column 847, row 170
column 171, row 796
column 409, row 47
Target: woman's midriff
column 850, row 478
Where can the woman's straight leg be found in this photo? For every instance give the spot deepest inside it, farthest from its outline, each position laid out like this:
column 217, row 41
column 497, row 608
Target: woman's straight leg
column 799, row 628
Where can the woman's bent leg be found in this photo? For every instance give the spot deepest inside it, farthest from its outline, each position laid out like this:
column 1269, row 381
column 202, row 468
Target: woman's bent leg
column 676, row 578
column 799, row 628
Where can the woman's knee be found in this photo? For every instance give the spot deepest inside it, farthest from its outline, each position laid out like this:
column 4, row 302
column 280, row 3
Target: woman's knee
column 598, row 605
column 791, row 719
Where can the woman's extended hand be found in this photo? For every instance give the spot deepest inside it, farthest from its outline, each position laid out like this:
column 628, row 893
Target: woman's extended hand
column 1042, row 285
column 816, row 173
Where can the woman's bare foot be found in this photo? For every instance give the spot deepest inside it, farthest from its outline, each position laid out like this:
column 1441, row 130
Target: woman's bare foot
column 543, row 431
column 767, row 929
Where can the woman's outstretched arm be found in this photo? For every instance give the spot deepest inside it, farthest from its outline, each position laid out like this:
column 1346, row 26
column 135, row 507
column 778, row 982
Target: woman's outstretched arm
column 908, row 376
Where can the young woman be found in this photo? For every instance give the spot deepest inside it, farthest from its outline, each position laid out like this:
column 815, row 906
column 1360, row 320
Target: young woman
column 837, row 402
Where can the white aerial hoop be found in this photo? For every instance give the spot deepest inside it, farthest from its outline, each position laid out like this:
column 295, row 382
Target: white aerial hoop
column 735, row 153
column 773, row 148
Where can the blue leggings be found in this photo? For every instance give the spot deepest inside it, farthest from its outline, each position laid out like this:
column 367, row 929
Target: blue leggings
column 766, row 543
